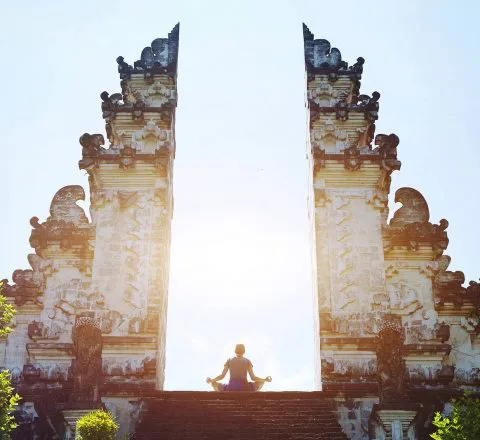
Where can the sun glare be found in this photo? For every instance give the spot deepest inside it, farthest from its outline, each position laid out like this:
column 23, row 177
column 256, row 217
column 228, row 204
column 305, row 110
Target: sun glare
column 238, row 279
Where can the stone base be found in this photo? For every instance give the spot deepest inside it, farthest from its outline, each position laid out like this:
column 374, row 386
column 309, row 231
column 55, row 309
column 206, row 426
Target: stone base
column 393, row 422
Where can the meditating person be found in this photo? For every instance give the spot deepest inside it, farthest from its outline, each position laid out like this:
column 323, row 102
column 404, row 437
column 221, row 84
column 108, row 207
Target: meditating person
column 238, row 366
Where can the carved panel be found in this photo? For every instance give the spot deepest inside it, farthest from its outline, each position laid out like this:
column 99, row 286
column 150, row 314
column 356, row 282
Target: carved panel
column 157, row 94
column 325, row 95
column 390, row 364
column 87, row 366
column 151, row 138
column 352, row 159
column 329, row 137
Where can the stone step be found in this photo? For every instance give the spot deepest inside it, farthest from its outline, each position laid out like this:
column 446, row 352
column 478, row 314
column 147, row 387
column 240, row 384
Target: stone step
column 196, row 415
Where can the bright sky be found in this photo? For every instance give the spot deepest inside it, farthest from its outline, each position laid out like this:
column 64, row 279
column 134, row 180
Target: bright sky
column 240, row 260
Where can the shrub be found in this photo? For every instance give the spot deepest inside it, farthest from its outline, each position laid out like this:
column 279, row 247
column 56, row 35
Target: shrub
column 7, row 313
column 462, row 424
column 8, row 400
column 96, row 425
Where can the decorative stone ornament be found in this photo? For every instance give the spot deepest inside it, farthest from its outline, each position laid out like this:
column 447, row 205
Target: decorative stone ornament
column 87, row 366
column 160, row 57
column 352, row 160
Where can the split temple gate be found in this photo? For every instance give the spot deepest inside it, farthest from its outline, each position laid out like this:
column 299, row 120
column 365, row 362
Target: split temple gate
column 397, row 333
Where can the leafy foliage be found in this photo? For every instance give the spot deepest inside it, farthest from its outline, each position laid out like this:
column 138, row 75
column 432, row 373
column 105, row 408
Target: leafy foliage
column 8, row 400
column 462, row 424
column 96, row 425
column 7, row 313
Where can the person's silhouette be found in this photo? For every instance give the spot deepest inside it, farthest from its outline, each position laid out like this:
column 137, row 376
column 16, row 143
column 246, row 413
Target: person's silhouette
column 238, row 366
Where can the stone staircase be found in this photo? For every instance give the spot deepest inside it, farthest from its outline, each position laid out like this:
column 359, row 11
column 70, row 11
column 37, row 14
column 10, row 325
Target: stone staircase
column 195, row 415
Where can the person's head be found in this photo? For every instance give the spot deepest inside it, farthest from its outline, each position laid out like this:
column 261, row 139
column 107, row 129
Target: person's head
column 240, row 349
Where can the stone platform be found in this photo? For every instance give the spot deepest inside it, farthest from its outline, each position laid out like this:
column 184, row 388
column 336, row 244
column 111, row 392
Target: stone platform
column 195, row 415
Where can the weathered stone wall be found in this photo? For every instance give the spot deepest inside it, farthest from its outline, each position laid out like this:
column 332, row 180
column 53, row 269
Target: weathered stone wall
column 353, row 415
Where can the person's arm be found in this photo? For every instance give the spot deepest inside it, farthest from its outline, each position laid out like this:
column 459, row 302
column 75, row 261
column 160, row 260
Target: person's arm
column 220, row 377
column 255, row 378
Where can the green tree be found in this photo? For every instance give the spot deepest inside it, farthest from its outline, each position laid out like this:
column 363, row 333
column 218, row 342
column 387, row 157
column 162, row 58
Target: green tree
column 96, row 425
column 462, row 424
column 8, row 400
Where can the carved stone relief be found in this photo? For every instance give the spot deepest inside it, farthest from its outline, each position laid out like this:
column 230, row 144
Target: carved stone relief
column 402, row 298
column 346, row 286
column 128, row 218
column 150, row 138
column 390, row 364
column 329, row 137
column 410, row 226
column 325, row 95
column 448, row 285
column 129, row 366
column 321, row 198
column 127, row 158
column 352, row 159
column 387, row 149
column 87, row 366
column 370, row 105
column 414, row 209
column 157, row 94
column 365, row 137
column 378, row 200
column 318, row 159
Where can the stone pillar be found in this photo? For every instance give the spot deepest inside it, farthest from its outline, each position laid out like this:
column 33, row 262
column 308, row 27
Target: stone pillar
column 132, row 202
column 87, row 373
column 72, row 416
column 393, row 422
column 392, row 418
column 350, row 182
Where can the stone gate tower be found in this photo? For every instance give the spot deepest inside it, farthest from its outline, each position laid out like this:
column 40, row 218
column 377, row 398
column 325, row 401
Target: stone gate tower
column 394, row 326
column 351, row 181
column 110, row 273
column 132, row 203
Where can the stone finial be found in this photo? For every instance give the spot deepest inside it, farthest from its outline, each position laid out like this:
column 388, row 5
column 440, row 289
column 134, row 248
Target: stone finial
column 414, row 209
column 410, row 224
column 67, row 223
column 448, row 287
column 64, row 205
column 28, row 284
column 160, row 56
column 387, row 149
column 91, row 144
column 473, row 292
column 370, row 105
column 321, row 57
